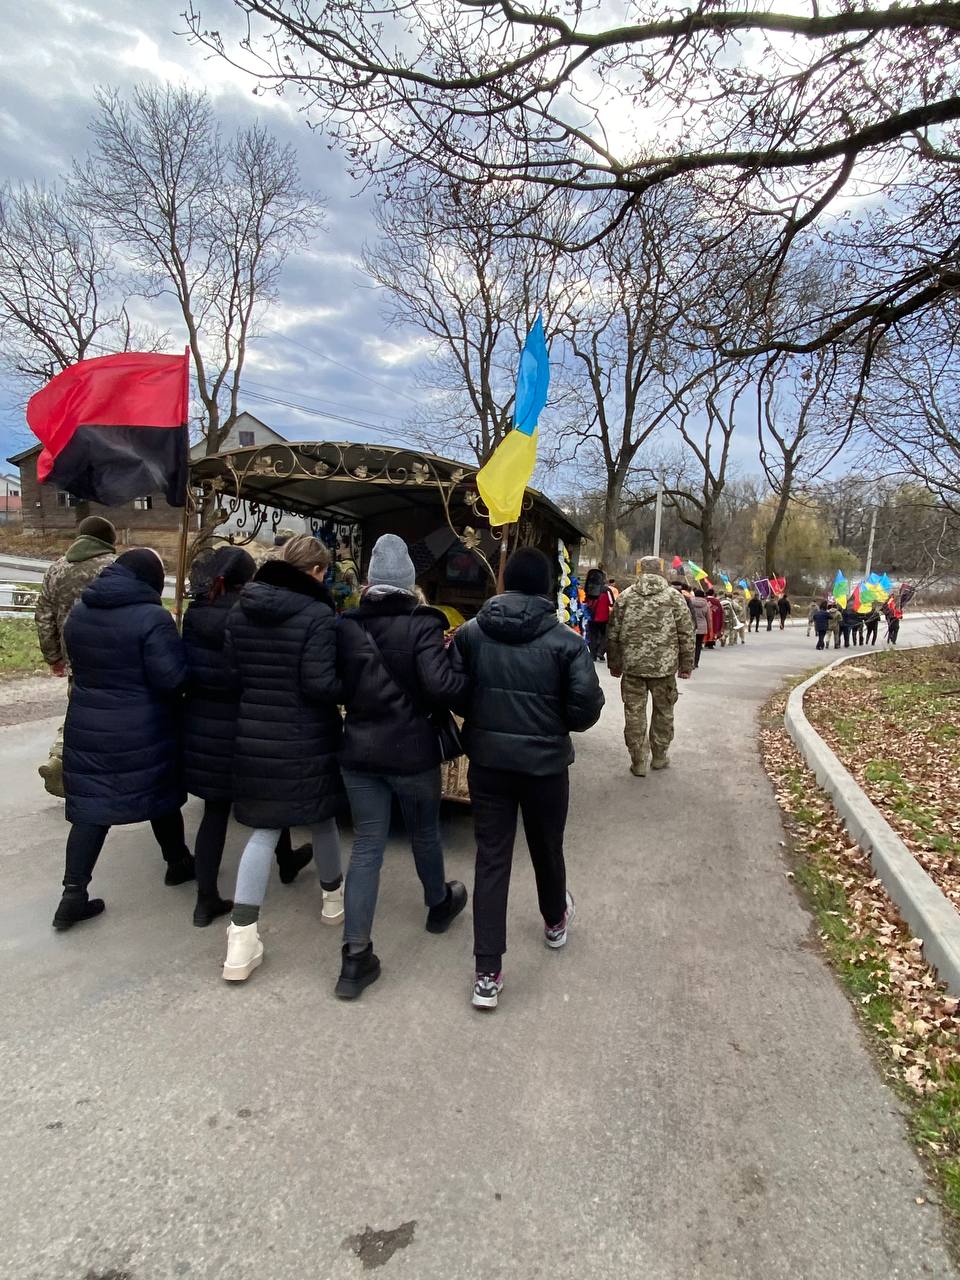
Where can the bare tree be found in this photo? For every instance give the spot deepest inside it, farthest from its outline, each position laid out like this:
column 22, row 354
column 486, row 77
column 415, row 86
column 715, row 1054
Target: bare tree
column 207, row 219
column 695, row 475
column 625, row 332
column 448, row 271
column 62, row 295
column 772, row 114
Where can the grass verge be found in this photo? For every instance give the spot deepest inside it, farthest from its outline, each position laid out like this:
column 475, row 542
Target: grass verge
column 19, row 651
column 908, row 1017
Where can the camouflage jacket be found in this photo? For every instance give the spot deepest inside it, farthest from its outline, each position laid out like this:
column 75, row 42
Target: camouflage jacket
column 61, row 588
column 650, row 632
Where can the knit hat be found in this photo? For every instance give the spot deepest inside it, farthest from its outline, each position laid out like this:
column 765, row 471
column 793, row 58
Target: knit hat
column 98, row 527
column 528, row 570
column 652, row 564
column 145, row 564
column 390, row 564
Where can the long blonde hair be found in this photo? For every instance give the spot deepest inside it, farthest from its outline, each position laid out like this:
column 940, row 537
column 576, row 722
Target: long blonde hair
column 304, row 552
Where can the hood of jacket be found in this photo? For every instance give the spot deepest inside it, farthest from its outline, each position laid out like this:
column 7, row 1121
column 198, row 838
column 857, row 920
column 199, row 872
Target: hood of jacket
column 393, row 604
column 115, row 587
column 279, row 591
column 86, row 548
column 651, row 584
column 516, row 618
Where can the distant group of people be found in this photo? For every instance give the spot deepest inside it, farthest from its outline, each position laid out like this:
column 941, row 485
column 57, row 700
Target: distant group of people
column 847, row 626
column 271, row 708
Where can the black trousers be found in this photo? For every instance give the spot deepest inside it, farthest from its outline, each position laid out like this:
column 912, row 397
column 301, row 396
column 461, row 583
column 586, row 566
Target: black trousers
column 86, row 840
column 754, row 622
column 871, row 629
column 698, row 649
column 597, row 640
column 821, row 637
column 211, row 836
column 497, row 796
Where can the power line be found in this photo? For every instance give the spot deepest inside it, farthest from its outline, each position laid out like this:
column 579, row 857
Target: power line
column 320, row 413
column 394, row 391
column 266, row 386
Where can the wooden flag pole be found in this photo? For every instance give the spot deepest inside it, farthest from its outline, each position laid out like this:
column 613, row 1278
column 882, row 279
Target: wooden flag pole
column 504, row 547
column 182, row 564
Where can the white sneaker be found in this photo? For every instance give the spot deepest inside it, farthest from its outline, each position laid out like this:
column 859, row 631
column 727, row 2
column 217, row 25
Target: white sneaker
column 244, row 952
column 332, row 912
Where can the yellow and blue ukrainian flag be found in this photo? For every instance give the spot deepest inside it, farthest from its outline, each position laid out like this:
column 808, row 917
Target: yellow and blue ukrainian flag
column 504, row 477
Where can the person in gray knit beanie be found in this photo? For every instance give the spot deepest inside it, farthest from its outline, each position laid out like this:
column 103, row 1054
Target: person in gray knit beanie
column 390, row 564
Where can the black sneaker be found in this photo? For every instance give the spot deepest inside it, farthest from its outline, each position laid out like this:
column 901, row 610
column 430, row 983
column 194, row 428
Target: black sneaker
column 74, row 907
column 356, row 972
column 181, row 871
column 442, row 916
column 209, row 909
column 291, row 864
column 486, row 990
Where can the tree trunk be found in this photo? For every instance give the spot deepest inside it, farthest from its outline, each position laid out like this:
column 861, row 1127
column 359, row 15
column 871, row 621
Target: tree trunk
column 708, row 549
column 613, row 500
column 773, row 533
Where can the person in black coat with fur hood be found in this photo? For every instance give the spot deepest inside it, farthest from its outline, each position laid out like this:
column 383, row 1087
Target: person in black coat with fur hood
column 121, row 739
column 281, row 649
column 397, row 679
column 210, row 724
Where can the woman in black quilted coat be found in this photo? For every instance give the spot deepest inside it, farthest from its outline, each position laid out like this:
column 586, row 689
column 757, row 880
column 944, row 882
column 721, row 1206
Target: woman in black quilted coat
column 121, row 741
column 281, row 648
column 210, row 724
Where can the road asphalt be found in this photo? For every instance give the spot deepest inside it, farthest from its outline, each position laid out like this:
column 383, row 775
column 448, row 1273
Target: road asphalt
column 681, row 1093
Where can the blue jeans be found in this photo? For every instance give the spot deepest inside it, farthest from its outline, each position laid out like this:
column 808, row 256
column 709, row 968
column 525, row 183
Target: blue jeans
column 370, row 796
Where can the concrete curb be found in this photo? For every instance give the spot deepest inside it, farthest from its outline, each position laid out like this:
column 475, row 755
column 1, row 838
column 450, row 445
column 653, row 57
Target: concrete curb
column 926, row 909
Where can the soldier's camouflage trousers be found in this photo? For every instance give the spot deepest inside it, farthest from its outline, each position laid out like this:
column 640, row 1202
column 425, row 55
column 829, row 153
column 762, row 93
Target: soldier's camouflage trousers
column 663, row 692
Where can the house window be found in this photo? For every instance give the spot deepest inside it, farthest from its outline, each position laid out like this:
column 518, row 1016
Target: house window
column 143, row 504
column 246, row 438
column 66, row 499
column 13, row 493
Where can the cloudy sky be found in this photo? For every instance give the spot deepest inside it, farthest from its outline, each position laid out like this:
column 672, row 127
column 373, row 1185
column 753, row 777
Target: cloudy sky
column 326, row 346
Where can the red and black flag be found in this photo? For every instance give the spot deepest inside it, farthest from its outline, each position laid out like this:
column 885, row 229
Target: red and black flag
column 115, row 428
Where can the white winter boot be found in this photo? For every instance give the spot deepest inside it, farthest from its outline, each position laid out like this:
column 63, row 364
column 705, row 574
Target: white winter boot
column 244, row 952
column 332, row 912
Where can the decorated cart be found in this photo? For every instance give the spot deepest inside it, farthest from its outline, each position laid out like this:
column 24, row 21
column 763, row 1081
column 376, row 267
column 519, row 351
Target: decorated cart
column 349, row 494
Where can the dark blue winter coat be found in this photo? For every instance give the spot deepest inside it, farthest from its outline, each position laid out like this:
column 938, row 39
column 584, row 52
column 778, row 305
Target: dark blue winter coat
column 212, row 702
column 282, row 647
column 121, row 741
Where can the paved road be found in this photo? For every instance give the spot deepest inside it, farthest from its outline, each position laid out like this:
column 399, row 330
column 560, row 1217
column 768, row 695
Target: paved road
column 682, row 1093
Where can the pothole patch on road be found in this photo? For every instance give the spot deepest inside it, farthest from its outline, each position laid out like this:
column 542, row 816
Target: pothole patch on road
column 376, row 1248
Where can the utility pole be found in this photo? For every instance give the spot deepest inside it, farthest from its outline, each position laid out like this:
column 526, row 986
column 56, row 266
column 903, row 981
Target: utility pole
column 658, row 515
column 873, row 530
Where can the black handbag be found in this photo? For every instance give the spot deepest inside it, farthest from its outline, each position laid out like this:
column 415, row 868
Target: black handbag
column 443, row 722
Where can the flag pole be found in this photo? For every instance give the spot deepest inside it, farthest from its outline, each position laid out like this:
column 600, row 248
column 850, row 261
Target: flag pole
column 185, row 521
column 504, row 545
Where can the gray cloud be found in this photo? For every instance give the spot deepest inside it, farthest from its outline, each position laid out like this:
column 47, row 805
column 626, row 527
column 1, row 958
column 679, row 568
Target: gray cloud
column 328, row 316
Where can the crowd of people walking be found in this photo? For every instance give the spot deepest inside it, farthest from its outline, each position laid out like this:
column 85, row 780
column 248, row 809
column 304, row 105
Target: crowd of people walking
column 272, row 708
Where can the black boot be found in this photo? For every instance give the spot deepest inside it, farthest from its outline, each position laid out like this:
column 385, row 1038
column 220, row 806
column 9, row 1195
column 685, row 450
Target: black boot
column 209, row 907
column 181, row 871
column 356, row 972
column 442, row 916
column 74, row 907
column 292, row 862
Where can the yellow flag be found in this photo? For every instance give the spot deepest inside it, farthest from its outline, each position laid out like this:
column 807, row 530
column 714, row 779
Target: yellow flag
column 503, row 479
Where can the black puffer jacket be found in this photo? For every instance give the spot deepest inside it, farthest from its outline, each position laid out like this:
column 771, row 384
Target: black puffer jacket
column 213, row 700
column 281, row 646
column 532, row 682
column 121, row 741
column 386, row 731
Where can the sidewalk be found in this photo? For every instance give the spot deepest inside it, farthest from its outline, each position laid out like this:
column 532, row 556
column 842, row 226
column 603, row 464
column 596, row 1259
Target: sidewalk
column 681, row 1094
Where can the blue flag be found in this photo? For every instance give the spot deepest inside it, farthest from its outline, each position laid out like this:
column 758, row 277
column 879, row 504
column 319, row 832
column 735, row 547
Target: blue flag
column 533, row 380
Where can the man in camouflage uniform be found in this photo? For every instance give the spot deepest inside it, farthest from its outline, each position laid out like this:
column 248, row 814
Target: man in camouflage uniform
column 650, row 641
column 63, row 583
column 741, row 616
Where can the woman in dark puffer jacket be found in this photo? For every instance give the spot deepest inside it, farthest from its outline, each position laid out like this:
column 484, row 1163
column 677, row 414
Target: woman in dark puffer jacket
column 394, row 672
column 281, row 647
column 121, row 741
column 210, row 724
